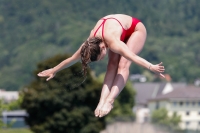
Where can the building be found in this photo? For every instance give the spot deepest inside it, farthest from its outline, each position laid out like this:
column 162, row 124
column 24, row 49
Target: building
column 8, row 96
column 146, row 91
column 183, row 101
column 16, row 117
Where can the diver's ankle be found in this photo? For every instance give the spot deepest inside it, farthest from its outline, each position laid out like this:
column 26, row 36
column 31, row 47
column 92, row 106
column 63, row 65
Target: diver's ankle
column 102, row 101
column 110, row 100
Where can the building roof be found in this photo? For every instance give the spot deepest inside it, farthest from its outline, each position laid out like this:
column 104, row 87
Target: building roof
column 144, row 91
column 178, row 85
column 189, row 92
column 14, row 113
column 150, row 90
column 160, row 89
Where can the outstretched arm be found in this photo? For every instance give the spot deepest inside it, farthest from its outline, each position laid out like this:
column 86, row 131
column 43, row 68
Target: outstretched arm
column 50, row 73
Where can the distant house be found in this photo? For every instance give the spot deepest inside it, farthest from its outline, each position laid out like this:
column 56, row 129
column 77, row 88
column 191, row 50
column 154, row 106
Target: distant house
column 18, row 116
column 146, row 91
column 8, row 96
column 15, row 115
column 137, row 78
column 184, row 101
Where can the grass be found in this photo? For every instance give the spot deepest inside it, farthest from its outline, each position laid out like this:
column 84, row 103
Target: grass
column 16, row 130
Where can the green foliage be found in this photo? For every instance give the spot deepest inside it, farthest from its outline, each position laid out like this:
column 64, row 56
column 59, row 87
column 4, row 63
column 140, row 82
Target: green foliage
column 161, row 117
column 13, row 105
column 1, row 109
column 35, row 30
column 54, row 107
column 15, row 131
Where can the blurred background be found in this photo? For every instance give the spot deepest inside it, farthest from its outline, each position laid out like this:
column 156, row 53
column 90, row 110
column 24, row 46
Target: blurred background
column 37, row 35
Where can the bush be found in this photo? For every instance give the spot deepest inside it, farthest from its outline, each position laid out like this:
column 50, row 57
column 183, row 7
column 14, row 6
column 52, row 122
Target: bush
column 54, row 107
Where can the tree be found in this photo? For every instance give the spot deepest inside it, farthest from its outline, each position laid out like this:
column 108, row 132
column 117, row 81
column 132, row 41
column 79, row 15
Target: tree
column 161, row 117
column 1, row 109
column 57, row 107
column 25, row 29
column 13, row 105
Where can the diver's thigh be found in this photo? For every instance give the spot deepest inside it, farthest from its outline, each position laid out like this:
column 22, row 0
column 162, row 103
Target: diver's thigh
column 137, row 40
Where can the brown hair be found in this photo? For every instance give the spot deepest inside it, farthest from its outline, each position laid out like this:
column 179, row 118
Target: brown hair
column 90, row 52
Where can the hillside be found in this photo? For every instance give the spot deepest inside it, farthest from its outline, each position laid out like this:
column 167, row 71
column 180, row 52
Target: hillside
column 32, row 31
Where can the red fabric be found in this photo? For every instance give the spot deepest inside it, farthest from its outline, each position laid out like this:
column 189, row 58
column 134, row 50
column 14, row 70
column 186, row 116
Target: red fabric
column 126, row 33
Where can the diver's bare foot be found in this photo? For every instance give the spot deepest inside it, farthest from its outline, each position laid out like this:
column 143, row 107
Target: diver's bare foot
column 98, row 108
column 107, row 107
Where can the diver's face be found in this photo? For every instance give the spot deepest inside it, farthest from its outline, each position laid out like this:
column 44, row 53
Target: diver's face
column 103, row 53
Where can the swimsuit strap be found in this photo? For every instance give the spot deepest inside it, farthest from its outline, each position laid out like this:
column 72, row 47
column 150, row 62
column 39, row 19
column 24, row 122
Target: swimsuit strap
column 99, row 26
column 102, row 24
column 117, row 21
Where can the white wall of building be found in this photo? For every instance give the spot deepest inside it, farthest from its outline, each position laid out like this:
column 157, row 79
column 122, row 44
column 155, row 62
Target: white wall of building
column 142, row 115
column 189, row 110
column 8, row 96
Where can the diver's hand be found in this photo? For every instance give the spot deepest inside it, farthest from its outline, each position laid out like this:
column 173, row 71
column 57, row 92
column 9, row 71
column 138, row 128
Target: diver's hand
column 158, row 69
column 49, row 73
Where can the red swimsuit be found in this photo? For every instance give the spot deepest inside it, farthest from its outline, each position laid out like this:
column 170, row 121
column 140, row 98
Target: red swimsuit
column 126, row 33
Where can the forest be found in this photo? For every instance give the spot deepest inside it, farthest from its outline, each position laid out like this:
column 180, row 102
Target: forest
column 32, row 31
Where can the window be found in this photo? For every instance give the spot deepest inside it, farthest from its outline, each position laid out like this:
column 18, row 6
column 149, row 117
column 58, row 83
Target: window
column 187, row 123
column 193, row 103
column 187, row 103
column 174, row 103
column 187, row 113
column 181, row 103
column 157, row 105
